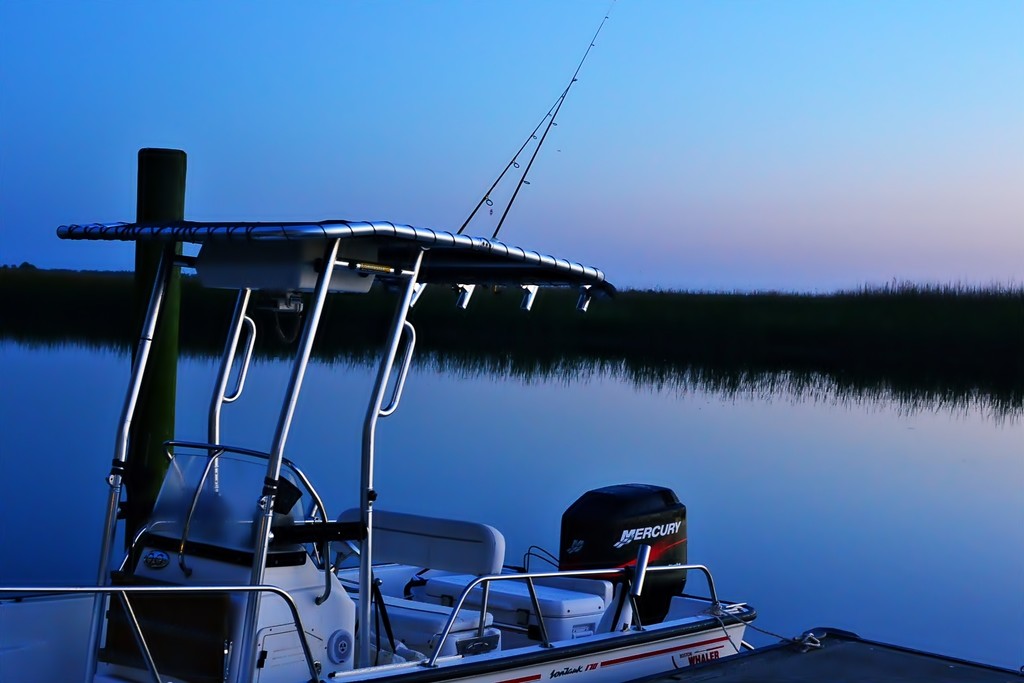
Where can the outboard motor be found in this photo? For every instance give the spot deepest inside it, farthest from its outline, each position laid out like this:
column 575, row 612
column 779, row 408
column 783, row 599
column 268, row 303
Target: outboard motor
column 605, row 528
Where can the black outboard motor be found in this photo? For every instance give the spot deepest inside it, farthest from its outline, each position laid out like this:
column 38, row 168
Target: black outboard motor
column 606, row 527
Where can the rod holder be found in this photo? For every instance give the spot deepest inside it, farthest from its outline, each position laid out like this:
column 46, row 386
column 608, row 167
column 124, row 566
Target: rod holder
column 643, row 557
column 529, row 295
column 417, row 292
column 465, row 293
column 586, row 296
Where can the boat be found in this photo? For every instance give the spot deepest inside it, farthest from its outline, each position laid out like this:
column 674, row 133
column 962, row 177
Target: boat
column 241, row 574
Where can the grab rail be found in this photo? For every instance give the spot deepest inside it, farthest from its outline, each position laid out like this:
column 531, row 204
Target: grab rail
column 239, row 321
column 623, row 572
column 122, row 592
column 243, row 371
column 403, row 371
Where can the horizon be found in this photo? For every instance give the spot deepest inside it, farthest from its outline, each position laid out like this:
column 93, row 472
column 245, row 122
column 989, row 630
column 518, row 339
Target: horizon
column 718, row 147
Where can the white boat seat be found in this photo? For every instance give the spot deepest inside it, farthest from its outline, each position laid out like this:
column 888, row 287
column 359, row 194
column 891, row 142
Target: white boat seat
column 434, row 543
column 407, row 545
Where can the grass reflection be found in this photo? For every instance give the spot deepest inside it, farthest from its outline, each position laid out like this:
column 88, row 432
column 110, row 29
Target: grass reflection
column 905, row 395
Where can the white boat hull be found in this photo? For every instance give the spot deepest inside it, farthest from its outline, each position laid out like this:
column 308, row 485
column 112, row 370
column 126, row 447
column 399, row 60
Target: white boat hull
column 604, row 660
column 45, row 640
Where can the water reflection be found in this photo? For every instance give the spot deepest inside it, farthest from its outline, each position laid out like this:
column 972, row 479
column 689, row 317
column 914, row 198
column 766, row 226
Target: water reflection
column 860, row 510
column 905, row 396
column 912, row 393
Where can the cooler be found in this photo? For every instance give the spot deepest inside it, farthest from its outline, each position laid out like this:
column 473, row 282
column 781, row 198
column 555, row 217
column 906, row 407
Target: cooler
column 571, row 609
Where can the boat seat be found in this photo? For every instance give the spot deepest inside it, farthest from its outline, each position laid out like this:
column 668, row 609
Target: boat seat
column 405, row 548
column 448, row 545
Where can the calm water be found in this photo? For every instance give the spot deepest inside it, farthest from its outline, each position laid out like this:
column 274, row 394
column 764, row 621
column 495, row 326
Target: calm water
column 901, row 525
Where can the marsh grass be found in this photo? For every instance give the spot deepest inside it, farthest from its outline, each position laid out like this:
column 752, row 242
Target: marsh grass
column 952, row 345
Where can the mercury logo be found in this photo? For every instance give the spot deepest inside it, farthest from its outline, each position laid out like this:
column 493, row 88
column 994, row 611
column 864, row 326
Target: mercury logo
column 630, row 535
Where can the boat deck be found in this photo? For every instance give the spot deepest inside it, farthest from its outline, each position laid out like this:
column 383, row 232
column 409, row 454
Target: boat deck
column 843, row 657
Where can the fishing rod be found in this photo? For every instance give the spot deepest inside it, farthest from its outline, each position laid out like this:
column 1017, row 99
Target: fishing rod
column 550, row 117
column 486, row 199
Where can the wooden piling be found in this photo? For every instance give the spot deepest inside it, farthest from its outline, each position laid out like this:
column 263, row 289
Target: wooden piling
column 160, row 198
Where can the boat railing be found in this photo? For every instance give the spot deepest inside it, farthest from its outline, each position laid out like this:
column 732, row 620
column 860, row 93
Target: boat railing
column 631, row 578
column 122, row 593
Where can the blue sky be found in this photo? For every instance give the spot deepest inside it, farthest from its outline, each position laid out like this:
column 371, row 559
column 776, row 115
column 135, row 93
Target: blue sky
column 796, row 145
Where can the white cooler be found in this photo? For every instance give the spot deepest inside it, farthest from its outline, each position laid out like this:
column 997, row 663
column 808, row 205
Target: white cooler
column 572, row 608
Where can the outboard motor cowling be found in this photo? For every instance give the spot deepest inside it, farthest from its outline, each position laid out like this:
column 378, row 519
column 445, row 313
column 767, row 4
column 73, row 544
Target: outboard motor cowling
column 605, row 528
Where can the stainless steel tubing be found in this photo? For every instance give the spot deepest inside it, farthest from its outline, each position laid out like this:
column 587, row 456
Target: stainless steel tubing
column 396, row 394
column 140, row 640
column 227, row 360
column 265, row 512
column 366, row 493
column 581, row 573
column 156, row 301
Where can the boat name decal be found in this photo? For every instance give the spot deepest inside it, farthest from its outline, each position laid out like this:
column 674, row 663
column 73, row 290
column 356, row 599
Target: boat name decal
column 566, row 671
column 701, row 657
column 630, row 535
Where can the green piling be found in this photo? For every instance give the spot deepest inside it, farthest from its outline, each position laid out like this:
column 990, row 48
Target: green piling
column 160, row 198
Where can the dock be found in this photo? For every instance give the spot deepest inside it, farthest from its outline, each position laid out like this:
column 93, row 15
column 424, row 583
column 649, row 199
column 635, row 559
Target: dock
column 827, row 655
